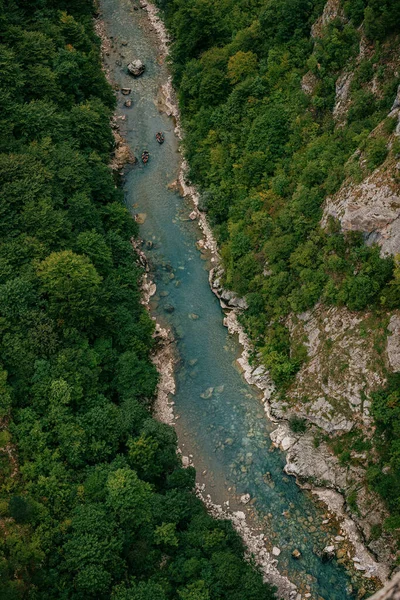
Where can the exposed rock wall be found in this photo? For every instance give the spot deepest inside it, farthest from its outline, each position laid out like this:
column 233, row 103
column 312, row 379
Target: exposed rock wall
column 332, row 10
column 344, row 364
column 372, row 207
column 391, row 591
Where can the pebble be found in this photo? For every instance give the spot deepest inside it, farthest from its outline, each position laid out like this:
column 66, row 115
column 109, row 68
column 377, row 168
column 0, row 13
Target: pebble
column 276, row 551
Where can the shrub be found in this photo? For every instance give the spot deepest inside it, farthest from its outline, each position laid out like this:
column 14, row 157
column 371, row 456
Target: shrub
column 297, row 424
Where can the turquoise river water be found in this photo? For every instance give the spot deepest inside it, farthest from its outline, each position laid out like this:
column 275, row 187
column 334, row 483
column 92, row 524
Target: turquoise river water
column 228, row 433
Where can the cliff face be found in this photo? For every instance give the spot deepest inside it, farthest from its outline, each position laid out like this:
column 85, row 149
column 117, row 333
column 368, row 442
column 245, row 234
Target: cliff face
column 391, row 591
column 372, row 205
column 350, row 355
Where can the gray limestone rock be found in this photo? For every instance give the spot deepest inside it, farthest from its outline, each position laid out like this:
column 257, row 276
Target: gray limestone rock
column 393, row 342
column 136, row 68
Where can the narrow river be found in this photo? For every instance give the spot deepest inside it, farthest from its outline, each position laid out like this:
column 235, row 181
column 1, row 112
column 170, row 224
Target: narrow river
column 220, row 418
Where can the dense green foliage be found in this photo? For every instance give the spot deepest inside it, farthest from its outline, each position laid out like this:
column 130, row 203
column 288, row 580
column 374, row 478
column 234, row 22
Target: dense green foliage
column 265, row 154
column 94, row 502
column 385, row 476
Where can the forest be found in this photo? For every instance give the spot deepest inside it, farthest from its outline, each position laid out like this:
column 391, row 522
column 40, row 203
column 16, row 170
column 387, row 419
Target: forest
column 265, row 154
column 94, row 502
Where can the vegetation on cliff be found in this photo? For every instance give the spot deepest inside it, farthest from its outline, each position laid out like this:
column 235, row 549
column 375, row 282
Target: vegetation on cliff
column 267, row 140
column 94, row 502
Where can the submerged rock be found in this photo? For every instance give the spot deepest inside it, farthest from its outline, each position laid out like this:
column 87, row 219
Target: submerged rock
column 328, row 552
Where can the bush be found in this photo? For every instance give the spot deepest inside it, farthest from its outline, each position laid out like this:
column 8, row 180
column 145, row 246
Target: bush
column 376, row 151
column 297, row 424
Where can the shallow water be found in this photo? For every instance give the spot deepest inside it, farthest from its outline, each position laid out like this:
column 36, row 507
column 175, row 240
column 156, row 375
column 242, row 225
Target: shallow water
column 221, row 420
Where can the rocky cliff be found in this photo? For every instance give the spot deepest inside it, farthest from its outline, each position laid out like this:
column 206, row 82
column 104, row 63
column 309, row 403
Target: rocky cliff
column 349, row 354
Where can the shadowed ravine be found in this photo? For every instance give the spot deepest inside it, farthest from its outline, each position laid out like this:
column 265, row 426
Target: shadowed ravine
column 228, row 432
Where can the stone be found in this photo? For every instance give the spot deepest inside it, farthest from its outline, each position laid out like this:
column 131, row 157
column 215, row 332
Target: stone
column 343, row 84
column 296, row 553
column 185, row 461
column 276, row 551
column 126, row 91
column 140, row 218
column 393, row 343
column 240, row 515
column 169, row 308
column 396, row 103
column 287, row 442
column 329, row 551
column 245, row 499
column 308, row 84
column 136, row 68
column 193, row 215
column 371, row 207
column 193, row 317
column 207, row 394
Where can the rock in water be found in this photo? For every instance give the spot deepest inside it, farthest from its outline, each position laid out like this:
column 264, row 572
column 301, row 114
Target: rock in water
column 296, row 553
column 136, row 68
column 126, row 91
column 328, row 552
column 276, row 551
column 245, row 499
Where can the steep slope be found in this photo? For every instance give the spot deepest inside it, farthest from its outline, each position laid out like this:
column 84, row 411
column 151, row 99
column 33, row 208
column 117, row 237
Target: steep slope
column 291, row 114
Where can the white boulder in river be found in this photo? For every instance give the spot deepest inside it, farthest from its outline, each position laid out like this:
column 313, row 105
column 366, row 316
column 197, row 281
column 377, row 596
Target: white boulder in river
column 136, row 68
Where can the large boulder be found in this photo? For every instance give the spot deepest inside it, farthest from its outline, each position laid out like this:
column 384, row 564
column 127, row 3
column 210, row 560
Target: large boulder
column 136, row 68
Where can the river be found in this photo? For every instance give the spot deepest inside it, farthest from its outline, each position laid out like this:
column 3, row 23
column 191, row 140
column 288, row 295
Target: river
column 220, row 419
